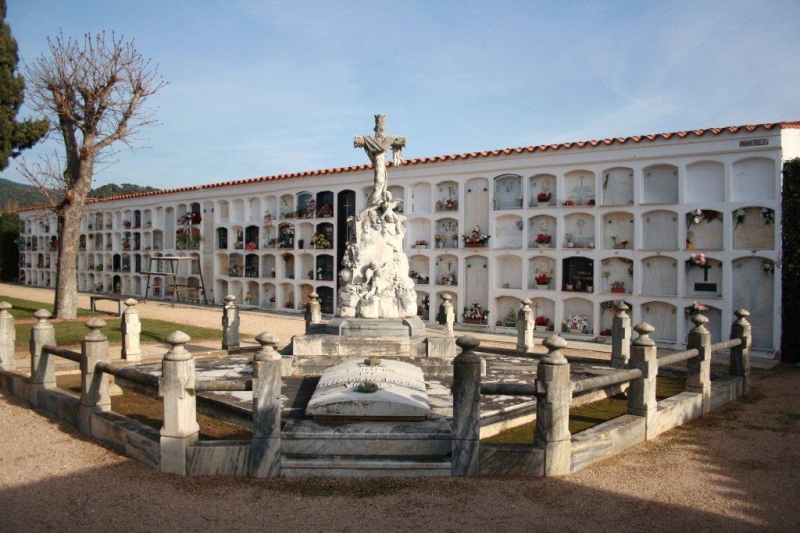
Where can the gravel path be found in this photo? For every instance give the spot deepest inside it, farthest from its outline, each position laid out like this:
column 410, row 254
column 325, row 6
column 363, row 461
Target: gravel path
column 736, row 470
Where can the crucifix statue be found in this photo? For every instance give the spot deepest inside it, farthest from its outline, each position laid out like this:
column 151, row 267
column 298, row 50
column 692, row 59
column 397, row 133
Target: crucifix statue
column 376, row 148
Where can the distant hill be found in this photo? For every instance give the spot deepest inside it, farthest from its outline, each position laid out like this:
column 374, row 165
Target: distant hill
column 112, row 189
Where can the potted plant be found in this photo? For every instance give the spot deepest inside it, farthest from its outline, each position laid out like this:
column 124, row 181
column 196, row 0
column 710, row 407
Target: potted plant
column 510, row 321
column 420, row 243
column 618, row 286
column 319, row 240
column 475, row 314
column 543, row 197
column 541, row 323
column 542, row 282
column 577, row 323
column 475, row 238
column 543, row 240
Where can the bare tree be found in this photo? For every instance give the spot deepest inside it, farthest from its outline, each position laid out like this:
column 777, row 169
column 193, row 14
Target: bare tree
column 94, row 93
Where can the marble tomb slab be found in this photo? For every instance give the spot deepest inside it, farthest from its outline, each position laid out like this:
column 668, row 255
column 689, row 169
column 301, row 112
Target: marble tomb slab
column 400, row 393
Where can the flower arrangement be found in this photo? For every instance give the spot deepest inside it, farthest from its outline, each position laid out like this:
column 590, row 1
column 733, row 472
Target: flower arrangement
column 541, row 321
column 267, row 217
column 454, row 236
column 740, row 215
column 448, row 279
column 543, row 238
column 579, row 322
column 618, row 286
column 475, row 236
column 510, row 321
column 698, row 215
column 542, row 279
column 320, row 240
column 695, row 308
column 768, row 215
column 252, row 245
column 272, row 299
column 126, row 224
column 53, row 245
column 247, row 297
column 697, row 259
column 624, row 241
column 311, row 208
column 272, row 273
column 238, row 245
column 606, row 332
column 475, row 312
column 420, row 242
column 767, row 267
column 544, row 196
column 325, row 210
column 439, row 238
column 447, row 205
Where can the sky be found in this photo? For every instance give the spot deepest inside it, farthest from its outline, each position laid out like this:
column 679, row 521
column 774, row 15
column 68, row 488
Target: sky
column 259, row 88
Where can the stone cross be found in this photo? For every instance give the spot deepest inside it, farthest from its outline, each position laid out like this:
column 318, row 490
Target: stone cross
column 376, row 148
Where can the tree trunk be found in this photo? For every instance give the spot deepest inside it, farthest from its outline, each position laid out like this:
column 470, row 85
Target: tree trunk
column 69, row 226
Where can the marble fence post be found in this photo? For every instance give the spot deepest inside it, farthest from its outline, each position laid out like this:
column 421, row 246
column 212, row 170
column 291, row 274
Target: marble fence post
column 131, row 331
column 8, row 338
column 553, row 397
column 448, row 314
column 642, row 392
column 94, row 385
column 43, row 367
column 466, row 408
column 740, row 355
column 698, row 369
column 176, row 387
column 230, row 324
column 313, row 314
column 620, row 336
column 525, row 323
column 265, row 453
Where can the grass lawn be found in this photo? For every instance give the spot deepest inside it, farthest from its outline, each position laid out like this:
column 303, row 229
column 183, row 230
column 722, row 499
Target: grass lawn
column 68, row 333
column 592, row 414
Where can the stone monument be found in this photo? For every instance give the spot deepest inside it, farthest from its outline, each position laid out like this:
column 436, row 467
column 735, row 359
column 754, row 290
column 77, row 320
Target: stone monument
column 376, row 311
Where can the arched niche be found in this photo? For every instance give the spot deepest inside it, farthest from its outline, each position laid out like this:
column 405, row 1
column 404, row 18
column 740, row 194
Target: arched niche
column 754, row 279
column 251, row 266
column 508, row 272
column 307, row 266
column 419, row 269
column 270, row 209
column 306, row 232
column 477, row 282
column 269, row 295
column 287, row 263
column 236, row 265
column 254, row 207
column 618, row 230
column 237, row 210
column 446, row 266
column 542, row 189
column 544, row 307
column 541, row 266
column 660, row 275
column 251, row 237
column 447, row 235
column 660, row 184
column 306, row 205
column 286, row 295
column 542, row 232
column 581, row 307
column 617, row 186
column 579, row 230
column 579, row 185
column 753, row 179
column 476, row 200
column 705, row 182
column 508, row 231
column 714, row 316
column 421, row 198
column 754, row 228
column 617, row 275
column 220, row 289
column 252, row 295
column 577, row 274
column 419, row 233
column 286, row 233
column 506, row 309
column 268, row 266
column 660, row 230
column 663, row 317
column 325, row 203
column 223, row 212
column 324, row 266
column 326, row 229
column 508, row 191
column 446, row 195
column 703, row 279
column 286, row 206
column 704, row 228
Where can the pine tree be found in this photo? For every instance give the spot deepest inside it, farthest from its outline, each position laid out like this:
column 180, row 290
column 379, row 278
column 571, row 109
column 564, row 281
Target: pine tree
column 14, row 136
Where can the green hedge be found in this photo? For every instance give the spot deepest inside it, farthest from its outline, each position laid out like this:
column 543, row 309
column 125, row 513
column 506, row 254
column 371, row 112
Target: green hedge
column 790, row 271
column 9, row 252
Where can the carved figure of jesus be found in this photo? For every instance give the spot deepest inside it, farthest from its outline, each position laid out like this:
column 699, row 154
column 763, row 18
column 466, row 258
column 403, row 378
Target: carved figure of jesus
column 376, row 148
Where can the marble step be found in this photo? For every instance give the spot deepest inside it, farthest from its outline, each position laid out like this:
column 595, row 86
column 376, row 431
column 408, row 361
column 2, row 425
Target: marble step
column 338, row 467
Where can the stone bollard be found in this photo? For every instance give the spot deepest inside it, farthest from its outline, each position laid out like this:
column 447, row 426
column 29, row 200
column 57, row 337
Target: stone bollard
column 131, row 331
column 43, row 367
column 265, row 453
column 313, row 314
column 642, row 392
column 525, row 323
column 449, row 316
column 8, row 338
column 553, row 397
column 698, row 369
column 94, row 385
column 230, row 324
column 620, row 336
column 740, row 355
column 466, row 408
column 176, row 387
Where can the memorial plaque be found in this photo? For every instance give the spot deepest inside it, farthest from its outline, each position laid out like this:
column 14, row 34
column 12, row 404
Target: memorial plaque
column 358, row 390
